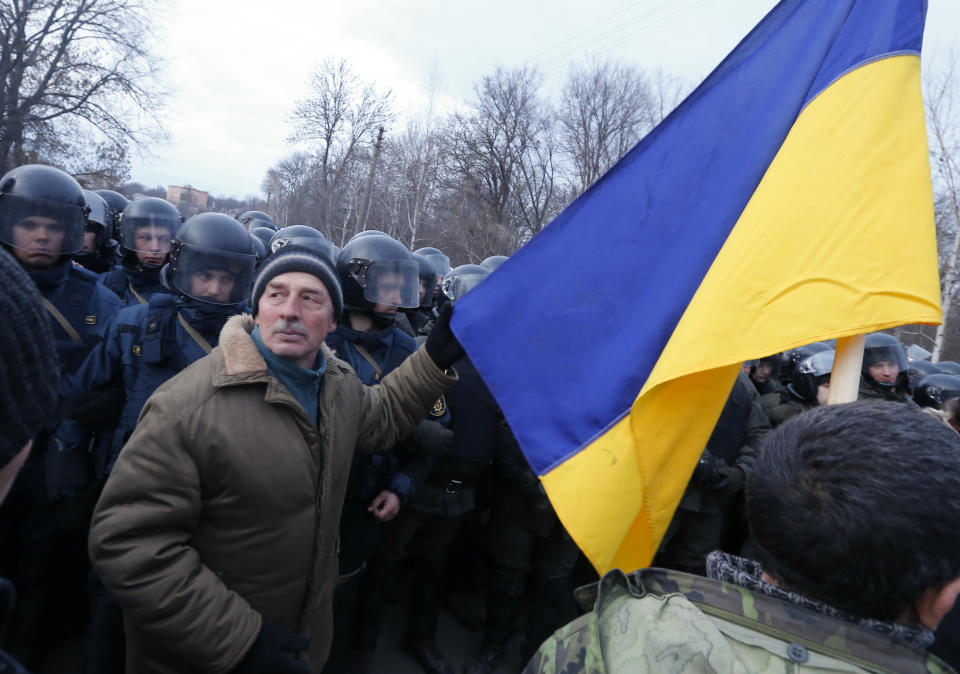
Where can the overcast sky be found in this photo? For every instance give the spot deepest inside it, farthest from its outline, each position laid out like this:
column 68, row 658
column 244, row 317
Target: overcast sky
column 238, row 68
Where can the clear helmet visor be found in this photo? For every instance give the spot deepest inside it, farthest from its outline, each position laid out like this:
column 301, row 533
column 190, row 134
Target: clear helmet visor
column 455, row 287
column 885, row 354
column 213, row 276
column 441, row 263
column 392, row 283
column 41, row 229
column 818, row 364
column 148, row 233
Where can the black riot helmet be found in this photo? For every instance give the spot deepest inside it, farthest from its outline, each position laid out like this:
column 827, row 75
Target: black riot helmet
column 880, row 347
column 252, row 219
column 936, row 389
column 494, row 261
column 148, row 226
column 367, row 232
column 810, row 373
column 42, row 214
column 99, row 217
column 918, row 369
column 303, row 236
column 460, row 280
column 440, row 261
column 378, row 270
column 775, row 362
column 948, row 367
column 212, row 260
column 259, row 249
column 428, row 279
column 264, row 234
column 117, row 202
column 790, row 359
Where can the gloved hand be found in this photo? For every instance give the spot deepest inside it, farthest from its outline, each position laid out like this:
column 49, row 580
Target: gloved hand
column 442, row 345
column 430, row 438
column 711, row 470
column 733, row 481
column 98, row 409
column 274, row 650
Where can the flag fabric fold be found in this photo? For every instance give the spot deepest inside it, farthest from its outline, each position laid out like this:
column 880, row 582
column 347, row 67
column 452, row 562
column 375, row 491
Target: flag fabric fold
column 786, row 200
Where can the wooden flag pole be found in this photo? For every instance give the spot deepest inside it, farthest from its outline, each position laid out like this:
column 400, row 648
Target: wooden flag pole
column 845, row 379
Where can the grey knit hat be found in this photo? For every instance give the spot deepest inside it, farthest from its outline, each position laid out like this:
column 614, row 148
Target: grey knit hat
column 29, row 367
column 296, row 258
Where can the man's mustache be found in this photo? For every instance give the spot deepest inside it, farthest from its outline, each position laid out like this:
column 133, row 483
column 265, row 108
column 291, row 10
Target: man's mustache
column 283, row 325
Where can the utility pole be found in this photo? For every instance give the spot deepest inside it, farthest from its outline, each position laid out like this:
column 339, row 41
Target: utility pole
column 373, row 167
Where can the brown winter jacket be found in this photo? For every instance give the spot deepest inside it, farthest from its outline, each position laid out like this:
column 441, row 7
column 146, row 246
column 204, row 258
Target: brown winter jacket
column 223, row 507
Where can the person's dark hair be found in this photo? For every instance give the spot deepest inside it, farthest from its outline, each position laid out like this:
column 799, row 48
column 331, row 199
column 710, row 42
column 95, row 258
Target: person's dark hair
column 857, row 506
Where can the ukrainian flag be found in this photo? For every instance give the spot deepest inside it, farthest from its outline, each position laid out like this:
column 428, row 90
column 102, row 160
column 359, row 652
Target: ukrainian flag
column 786, row 200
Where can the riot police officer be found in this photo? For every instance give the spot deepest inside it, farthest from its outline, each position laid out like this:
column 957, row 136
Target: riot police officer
column 43, row 522
column 147, row 228
column 209, row 277
column 884, row 372
column 450, row 490
column 117, row 202
column 419, row 317
column 99, row 249
column 379, row 277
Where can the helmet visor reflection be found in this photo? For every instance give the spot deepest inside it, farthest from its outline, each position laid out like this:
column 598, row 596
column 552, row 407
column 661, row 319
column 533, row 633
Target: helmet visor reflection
column 392, row 283
column 148, row 233
column 213, row 276
column 41, row 227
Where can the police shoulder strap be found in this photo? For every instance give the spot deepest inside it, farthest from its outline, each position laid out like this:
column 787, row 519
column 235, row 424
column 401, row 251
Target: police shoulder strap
column 135, row 293
column 377, row 372
column 62, row 320
column 197, row 337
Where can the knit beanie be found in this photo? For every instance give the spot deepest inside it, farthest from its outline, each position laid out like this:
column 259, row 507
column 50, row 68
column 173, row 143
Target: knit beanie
column 297, row 258
column 29, row 367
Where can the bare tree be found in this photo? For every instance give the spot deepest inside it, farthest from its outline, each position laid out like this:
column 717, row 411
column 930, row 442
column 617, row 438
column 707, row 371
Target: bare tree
column 944, row 137
column 413, row 171
column 338, row 121
column 605, row 108
column 76, row 72
column 535, row 191
column 489, row 142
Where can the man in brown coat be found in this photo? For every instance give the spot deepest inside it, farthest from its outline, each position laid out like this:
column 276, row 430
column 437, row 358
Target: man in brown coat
column 217, row 529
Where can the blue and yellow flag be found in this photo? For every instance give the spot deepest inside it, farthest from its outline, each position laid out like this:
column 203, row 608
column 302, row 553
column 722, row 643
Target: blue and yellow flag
column 786, row 200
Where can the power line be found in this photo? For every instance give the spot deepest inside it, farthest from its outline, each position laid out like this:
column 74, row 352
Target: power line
column 646, row 28
column 582, row 36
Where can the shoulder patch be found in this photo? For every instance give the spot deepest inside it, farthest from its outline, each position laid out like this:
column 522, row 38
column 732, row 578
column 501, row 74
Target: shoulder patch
column 439, row 408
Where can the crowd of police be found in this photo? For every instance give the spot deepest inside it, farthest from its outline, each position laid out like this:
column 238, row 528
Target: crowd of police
column 135, row 295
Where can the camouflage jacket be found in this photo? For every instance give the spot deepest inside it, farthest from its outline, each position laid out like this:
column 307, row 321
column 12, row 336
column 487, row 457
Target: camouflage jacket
column 654, row 620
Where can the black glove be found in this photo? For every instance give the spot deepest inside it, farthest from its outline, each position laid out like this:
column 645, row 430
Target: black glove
column 733, row 481
column 274, row 650
column 442, row 346
column 430, row 438
column 98, row 409
column 711, row 470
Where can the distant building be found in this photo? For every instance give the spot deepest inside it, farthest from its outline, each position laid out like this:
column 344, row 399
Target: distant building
column 188, row 200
